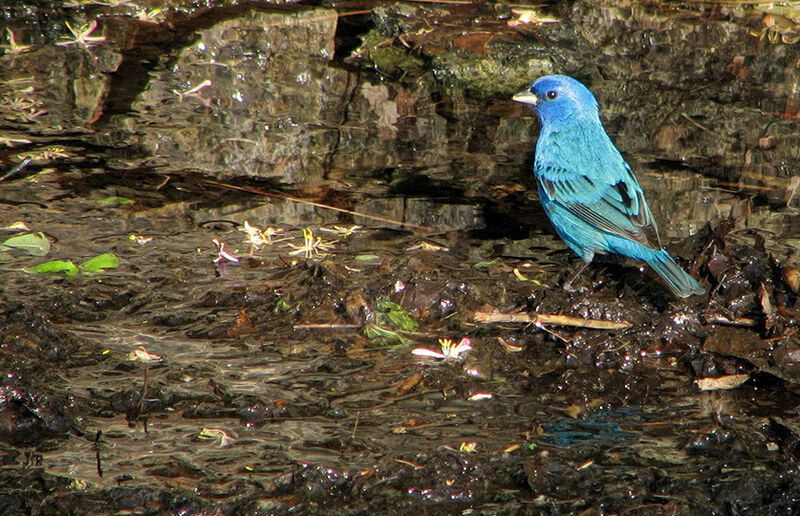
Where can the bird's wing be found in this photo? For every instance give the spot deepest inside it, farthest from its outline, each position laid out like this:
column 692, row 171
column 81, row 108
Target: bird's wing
column 610, row 200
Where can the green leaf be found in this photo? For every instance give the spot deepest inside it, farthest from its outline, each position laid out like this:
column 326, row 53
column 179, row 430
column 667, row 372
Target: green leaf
column 282, row 306
column 366, row 257
column 114, row 200
column 379, row 335
column 485, row 265
column 35, row 244
column 397, row 314
column 101, row 261
column 63, row 266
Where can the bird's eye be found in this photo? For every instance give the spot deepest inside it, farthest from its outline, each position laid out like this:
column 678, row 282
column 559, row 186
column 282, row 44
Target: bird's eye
column 552, row 94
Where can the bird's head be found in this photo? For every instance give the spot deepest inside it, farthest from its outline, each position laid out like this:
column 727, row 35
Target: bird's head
column 559, row 99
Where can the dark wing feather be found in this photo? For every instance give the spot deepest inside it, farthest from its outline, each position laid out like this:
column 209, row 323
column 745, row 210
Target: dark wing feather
column 615, row 205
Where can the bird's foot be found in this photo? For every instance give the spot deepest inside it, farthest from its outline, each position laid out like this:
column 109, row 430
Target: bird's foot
column 572, row 289
column 568, row 286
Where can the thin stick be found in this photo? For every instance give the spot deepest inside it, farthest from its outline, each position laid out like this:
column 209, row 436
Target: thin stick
column 24, row 163
column 689, row 119
column 97, row 453
column 353, row 13
column 558, row 319
column 316, row 204
column 326, row 326
column 355, row 427
column 445, row 2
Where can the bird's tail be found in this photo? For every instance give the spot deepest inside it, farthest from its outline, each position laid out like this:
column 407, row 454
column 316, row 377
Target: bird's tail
column 678, row 280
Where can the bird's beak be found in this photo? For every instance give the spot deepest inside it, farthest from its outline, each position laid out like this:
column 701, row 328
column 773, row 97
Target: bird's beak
column 526, row 97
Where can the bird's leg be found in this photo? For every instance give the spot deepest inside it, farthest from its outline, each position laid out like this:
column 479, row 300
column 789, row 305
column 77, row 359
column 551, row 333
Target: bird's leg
column 568, row 284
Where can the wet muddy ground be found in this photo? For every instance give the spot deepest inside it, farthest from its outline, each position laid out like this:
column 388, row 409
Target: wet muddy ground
column 288, row 259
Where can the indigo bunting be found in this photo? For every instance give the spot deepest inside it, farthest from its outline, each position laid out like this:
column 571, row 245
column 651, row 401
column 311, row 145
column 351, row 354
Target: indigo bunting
column 587, row 190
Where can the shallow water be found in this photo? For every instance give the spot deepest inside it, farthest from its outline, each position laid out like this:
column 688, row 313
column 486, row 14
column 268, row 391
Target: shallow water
column 297, row 361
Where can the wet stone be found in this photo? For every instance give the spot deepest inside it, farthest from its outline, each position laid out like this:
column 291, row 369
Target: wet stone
column 250, row 73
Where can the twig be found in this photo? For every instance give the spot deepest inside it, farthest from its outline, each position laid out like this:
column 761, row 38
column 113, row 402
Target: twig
column 22, row 164
column 316, row 204
column 97, row 453
column 445, row 2
column 354, row 13
column 559, row 319
column 689, row 119
column 355, row 427
column 326, row 326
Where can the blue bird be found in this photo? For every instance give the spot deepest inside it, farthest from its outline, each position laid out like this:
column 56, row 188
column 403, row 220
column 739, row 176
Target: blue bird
column 587, row 190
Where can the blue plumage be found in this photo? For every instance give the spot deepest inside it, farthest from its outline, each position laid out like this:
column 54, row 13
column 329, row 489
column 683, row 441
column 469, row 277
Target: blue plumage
column 587, row 190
